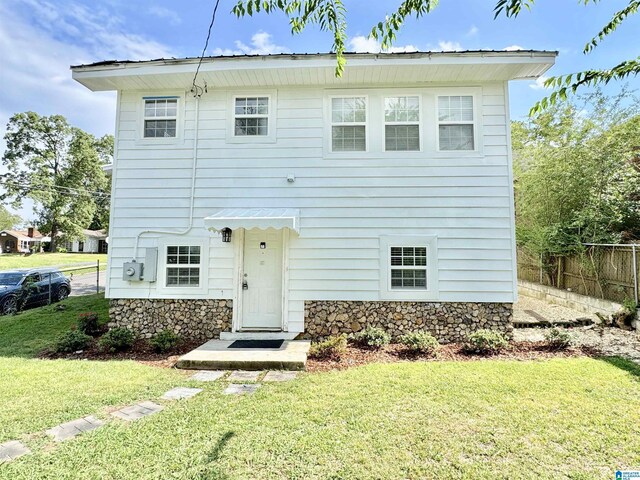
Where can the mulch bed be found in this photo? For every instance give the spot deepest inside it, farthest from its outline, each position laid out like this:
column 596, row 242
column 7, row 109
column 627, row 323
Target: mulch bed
column 141, row 352
column 356, row 356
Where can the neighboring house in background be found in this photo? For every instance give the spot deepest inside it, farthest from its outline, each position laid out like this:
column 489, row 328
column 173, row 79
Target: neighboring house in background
column 284, row 199
column 92, row 241
column 22, row 241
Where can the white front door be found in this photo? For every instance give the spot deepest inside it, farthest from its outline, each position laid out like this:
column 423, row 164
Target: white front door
column 262, row 280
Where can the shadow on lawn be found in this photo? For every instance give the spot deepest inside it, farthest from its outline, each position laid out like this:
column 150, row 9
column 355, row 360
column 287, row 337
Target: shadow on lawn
column 211, row 470
column 624, row 364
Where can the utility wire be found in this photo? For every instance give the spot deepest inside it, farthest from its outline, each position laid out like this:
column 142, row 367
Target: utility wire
column 194, row 87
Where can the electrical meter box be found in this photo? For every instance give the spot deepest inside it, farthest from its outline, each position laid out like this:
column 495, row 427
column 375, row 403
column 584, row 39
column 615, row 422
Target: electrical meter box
column 132, row 271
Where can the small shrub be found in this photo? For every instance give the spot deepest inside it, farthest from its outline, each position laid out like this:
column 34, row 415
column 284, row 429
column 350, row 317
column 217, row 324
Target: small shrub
column 164, row 341
column 485, row 342
column 371, row 337
column 72, row 341
column 88, row 323
column 117, row 340
column 332, row 347
column 558, row 338
column 420, row 342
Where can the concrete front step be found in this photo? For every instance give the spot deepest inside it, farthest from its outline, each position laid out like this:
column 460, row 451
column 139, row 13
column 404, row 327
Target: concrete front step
column 258, row 335
column 215, row 355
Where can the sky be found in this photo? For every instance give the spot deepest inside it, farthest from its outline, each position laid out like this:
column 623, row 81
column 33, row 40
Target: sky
column 40, row 39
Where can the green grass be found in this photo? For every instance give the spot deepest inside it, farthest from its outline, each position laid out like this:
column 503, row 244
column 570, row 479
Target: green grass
column 31, row 331
column 8, row 262
column 565, row 418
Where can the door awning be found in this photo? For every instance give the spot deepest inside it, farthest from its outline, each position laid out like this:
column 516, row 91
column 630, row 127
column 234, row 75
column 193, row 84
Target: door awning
column 248, row 218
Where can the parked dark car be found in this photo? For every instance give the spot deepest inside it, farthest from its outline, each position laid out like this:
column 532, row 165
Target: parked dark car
column 21, row 289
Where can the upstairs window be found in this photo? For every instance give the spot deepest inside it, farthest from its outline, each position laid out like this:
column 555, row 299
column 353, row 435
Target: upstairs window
column 348, row 124
column 402, row 123
column 160, row 117
column 456, row 123
column 183, row 264
column 408, row 267
column 251, row 116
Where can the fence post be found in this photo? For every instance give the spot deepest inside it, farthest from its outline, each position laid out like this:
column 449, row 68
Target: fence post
column 635, row 273
column 50, row 289
column 560, row 280
column 97, row 277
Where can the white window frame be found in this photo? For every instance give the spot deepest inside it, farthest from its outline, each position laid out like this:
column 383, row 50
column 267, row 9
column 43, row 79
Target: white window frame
column 430, row 242
column 162, row 286
column 476, row 133
column 180, row 107
column 420, row 124
column 271, row 95
column 331, row 124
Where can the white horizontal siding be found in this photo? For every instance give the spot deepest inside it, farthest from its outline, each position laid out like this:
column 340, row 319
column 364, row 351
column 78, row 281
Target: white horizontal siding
column 346, row 202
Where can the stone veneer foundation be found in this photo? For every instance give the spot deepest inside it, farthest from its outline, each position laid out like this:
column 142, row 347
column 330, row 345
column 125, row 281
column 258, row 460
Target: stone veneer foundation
column 448, row 322
column 205, row 319
column 189, row 318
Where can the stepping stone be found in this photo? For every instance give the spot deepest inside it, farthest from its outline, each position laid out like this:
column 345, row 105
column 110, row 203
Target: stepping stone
column 11, row 450
column 138, row 411
column 179, row 393
column 244, row 376
column 208, row 375
column 279, row 376
column 241, row 389
column 68, row 430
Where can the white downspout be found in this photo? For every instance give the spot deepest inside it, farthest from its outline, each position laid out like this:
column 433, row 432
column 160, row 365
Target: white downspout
column 194, row 165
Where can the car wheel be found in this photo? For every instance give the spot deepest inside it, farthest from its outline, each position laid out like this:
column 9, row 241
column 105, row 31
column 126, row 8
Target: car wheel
column 9, row 305
column 63, row 292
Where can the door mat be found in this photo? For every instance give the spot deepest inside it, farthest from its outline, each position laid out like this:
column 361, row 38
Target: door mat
column 256, row 344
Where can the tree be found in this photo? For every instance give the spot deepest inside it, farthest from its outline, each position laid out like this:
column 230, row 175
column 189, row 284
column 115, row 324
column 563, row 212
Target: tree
column 577, row 174
column 7, row 219
column 59, row 167
column 331, row 15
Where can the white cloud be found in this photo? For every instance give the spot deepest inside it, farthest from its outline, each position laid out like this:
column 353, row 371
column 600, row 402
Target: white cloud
column 40, row 42
column 473, row 31
column 166, row 14
column 539, row 83
column 362, row 44
column 513, row 48
column 449, row 46
column 261, row 44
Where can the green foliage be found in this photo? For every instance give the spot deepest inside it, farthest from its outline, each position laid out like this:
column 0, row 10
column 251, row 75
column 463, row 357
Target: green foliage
column 332, row 347
column 331, row 16
column 558, row 338
column 164, row 341
column 577, row 178
column 59, row 167
column 7, row 219
column 371, row 337
column 72, row 341
column 420, row 342
column 117, row 340
column 485, row 342
column 88, row 323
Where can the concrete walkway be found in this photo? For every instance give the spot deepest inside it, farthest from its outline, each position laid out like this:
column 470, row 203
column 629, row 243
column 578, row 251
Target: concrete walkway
column 216, row 355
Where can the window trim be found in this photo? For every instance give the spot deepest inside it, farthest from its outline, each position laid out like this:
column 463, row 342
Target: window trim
column 475, row 124
column 420, row 123
column 271, row 136
column 180, row 107
column 430, row 242
column 366, row 124
column 163, row 243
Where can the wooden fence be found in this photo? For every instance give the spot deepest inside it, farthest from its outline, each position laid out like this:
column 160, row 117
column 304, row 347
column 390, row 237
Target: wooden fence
column 603, row 271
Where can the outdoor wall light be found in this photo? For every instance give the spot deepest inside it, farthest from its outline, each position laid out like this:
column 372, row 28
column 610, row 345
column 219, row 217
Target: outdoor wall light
column 226, row 235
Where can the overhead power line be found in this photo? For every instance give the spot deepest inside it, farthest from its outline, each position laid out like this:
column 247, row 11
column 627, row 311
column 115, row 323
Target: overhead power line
column 195, row 88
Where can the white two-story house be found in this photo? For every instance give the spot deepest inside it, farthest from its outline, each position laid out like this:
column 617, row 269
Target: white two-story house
column 275, row 197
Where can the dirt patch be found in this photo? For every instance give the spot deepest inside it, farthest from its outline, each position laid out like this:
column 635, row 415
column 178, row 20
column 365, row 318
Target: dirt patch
column 356, row 356
column 140, row 352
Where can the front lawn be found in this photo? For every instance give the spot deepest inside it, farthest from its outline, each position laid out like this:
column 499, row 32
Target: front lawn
column 28, row 333
column 562, row 418
column 11, row 261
